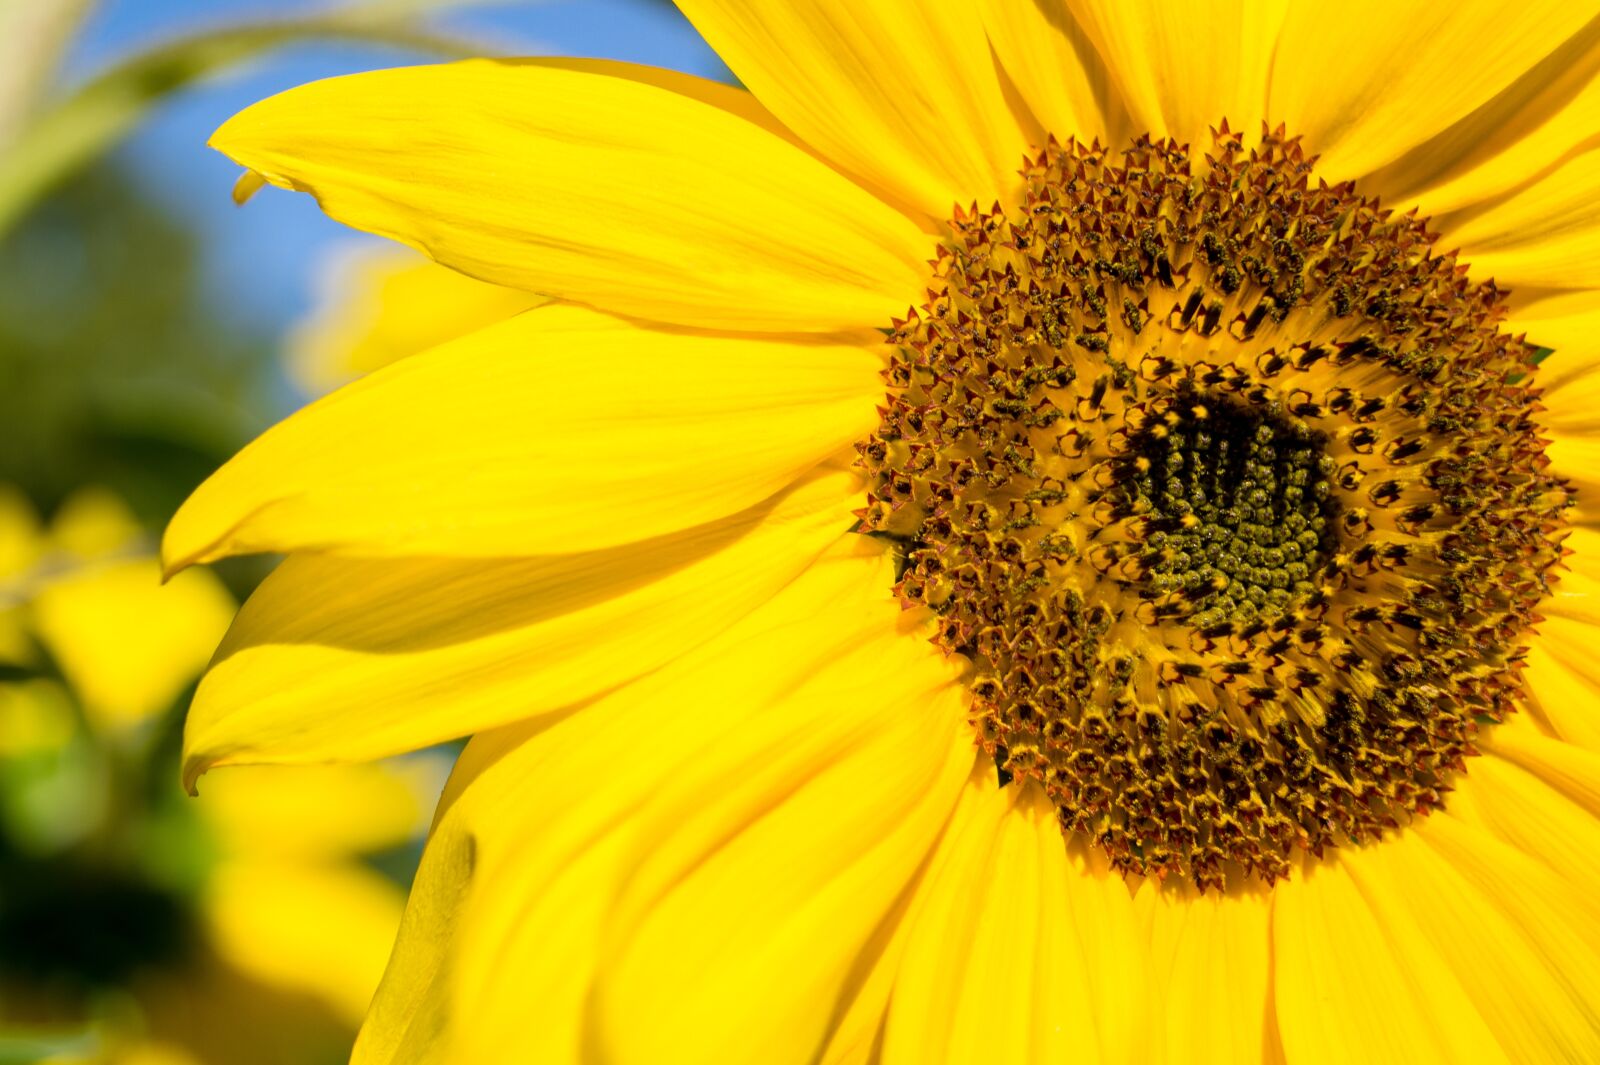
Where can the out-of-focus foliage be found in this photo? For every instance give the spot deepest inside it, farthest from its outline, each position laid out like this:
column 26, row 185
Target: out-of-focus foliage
column 43, row 142
column 139, row 926
column 115, row 371
column 111, row 367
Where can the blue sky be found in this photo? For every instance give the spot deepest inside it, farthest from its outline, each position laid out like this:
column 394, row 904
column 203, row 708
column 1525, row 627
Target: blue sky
column 262, row 259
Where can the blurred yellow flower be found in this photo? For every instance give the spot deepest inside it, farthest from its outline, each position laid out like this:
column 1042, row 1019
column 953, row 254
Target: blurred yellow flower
column 379, row 304
column 35, row 717
column 1212, row 681
column 243, row 927
column 20, row 544
column 294, row 927
column 287, row 902
column 126, row 643
column 89, row 590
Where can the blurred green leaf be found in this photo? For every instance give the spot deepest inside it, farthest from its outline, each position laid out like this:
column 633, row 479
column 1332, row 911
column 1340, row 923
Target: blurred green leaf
column 67, row 135
column 31, row 1049
column 33, row 35
column 117, row 372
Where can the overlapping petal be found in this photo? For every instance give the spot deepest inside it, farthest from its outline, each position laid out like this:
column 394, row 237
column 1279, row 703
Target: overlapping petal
column 1350, row 987
column 632, row 189
column 1566, row 768
column 1016, row 951
column 814, row 829
column 1568, row 323
column 1565, row 682
column 901, row 94
column 1362, row 96
column 1211, row 968
column 336, row 659
column 1183, row 68
column 1529, row 809
column 1532, row 849
column 1522, row 133
column 1553, row 913
column 525, row 883
column 1423, row 903
column 1055, row 67
column 1544, row 235
column 1563, row 674
column 560, row 430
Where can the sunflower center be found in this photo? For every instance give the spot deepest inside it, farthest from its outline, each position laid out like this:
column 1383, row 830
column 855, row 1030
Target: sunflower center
column 1238, row 508
column 1228, row 486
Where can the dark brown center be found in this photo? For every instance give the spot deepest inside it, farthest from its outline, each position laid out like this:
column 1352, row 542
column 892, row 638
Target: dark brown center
column 1228, row 485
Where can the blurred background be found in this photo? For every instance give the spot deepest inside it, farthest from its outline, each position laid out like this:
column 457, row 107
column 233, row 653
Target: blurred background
column 148, row 328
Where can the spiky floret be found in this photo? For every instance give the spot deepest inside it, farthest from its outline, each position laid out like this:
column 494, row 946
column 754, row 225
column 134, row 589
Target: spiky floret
column 1229, row 486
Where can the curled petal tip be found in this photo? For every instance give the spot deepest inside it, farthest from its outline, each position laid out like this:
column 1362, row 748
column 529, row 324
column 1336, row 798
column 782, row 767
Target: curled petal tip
column 194, row 767
column 250, row 182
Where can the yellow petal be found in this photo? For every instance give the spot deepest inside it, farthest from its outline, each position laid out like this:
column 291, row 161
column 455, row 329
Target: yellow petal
column 484, row 751
column 561, row 430
column 319, row 812
column 1546, row 234
column 1211, row 960
column 1055, row 66
column 1426, row 906
column 856, row 1036
column 1183, row 68
column 322, row 931
column 1530, row 813
column 1524, row 132
column 1349, row 987
column 958, row 997
column 1564, row 681
column 1366, row 81
column 526, row 864
column 792, row 837
column 1017, row 951
column 1537, row 856
column 408, row 1020
column 636, row 190
column 1577, row 459
column 1568, row 323
column 1563, row 674
column 338, row 659
column 128, row 644
column 381, row 304
column 1569, row 769
column 901, row 94
column 1576, row 591
column 1554, row 903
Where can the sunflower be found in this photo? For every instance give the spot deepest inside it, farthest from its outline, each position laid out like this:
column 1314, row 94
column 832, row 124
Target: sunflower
column 151, row 931
column 1041, row 531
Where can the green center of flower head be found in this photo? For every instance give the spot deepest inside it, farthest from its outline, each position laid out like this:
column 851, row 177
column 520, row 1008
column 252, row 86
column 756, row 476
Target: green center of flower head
column 1238, row 509
column 1228, row 487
